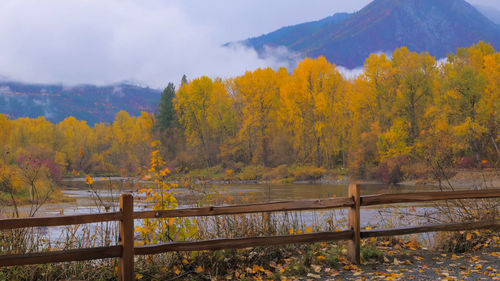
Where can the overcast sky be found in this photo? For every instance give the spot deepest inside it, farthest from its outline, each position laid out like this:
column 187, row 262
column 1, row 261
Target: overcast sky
column 145, row 41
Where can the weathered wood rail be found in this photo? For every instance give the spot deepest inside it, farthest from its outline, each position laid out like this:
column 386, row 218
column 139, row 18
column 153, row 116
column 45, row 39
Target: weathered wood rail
column 126, row 251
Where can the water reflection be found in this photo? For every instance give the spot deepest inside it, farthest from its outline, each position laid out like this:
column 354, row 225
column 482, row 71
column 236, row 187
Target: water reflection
column 85, row 199
column 289, row 192
column 109, row 191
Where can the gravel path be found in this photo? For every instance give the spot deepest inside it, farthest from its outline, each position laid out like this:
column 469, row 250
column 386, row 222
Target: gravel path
column 421, row 265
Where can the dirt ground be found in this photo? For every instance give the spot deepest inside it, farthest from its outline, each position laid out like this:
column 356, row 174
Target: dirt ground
column 421, row 265
column 488, row 178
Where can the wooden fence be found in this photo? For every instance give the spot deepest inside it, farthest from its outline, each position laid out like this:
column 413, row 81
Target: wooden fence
column 125, row 251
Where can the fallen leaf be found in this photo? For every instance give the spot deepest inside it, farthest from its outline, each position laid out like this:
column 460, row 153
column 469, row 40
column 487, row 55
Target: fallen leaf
column 199, row 269
column 313, row 275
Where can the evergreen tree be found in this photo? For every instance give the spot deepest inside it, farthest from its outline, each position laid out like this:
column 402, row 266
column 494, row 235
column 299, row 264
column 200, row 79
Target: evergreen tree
column 184, row 80
column 166, row 117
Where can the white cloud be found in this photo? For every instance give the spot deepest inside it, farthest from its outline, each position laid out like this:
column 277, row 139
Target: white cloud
column 103, row 42
column 149, row 42
column 44, row 104
column 350, row 73
column 5, row 90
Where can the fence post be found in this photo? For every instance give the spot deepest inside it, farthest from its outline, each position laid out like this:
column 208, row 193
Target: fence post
column 353, row 246
column 126, row 262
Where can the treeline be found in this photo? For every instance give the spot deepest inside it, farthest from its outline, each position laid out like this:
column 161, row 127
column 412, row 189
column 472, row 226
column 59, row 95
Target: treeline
column 73, row 147
column 408, row 110
column 406, row 114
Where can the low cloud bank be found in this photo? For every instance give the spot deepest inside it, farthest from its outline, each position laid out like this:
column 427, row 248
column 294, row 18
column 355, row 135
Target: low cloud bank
column 100, row 42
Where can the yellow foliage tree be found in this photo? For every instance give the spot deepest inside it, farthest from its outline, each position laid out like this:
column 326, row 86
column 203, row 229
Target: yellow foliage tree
column 205, row 111
column 162, row 197
column 312, row 110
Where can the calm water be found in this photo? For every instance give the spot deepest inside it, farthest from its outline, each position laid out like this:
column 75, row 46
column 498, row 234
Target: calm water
column 86, row 200
column 278, row 192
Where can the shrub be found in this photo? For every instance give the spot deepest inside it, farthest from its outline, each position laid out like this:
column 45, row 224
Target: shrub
column 390, row 171
column 280, row 172
column 214, row 172
column 308, row 173
column 467, row 163
column 235, row 166
column 416, row 170
column 371, row 253
column 251, row 172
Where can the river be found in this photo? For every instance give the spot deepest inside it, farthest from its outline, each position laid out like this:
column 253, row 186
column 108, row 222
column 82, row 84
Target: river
column 107, row 192
column 85, row 199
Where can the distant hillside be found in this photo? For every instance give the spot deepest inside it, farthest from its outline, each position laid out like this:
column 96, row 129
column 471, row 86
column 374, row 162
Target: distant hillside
column 296, row 35
column 91, row 103
column 435, row 26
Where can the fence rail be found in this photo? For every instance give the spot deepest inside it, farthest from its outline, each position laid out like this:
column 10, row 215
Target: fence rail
column 341, row 202
column 58, row 221
column 126, row 250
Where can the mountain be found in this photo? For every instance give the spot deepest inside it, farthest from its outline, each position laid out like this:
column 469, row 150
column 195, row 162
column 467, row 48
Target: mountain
column 85, row 102
column 435, row 26
column 292, row 35
column 490, row 12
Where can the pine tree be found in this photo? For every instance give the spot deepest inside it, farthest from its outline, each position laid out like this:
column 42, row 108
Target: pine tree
column 166, row 117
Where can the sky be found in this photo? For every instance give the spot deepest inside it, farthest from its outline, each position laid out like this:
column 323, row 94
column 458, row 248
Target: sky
column 148, row 42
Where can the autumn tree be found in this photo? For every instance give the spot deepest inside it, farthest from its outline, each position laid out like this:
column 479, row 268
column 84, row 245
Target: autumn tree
column 204, row 109
column 465, row 84
column 414, row 77
column 73, row 144
column 364, row 105
column 311, row 109
column 379, row 89
column 490, row 105
column 257, row 93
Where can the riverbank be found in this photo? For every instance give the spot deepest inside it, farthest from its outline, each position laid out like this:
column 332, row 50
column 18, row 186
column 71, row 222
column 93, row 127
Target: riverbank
column 217, row 175
column 23, row 199
column 461, row 179
column 472, row 179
